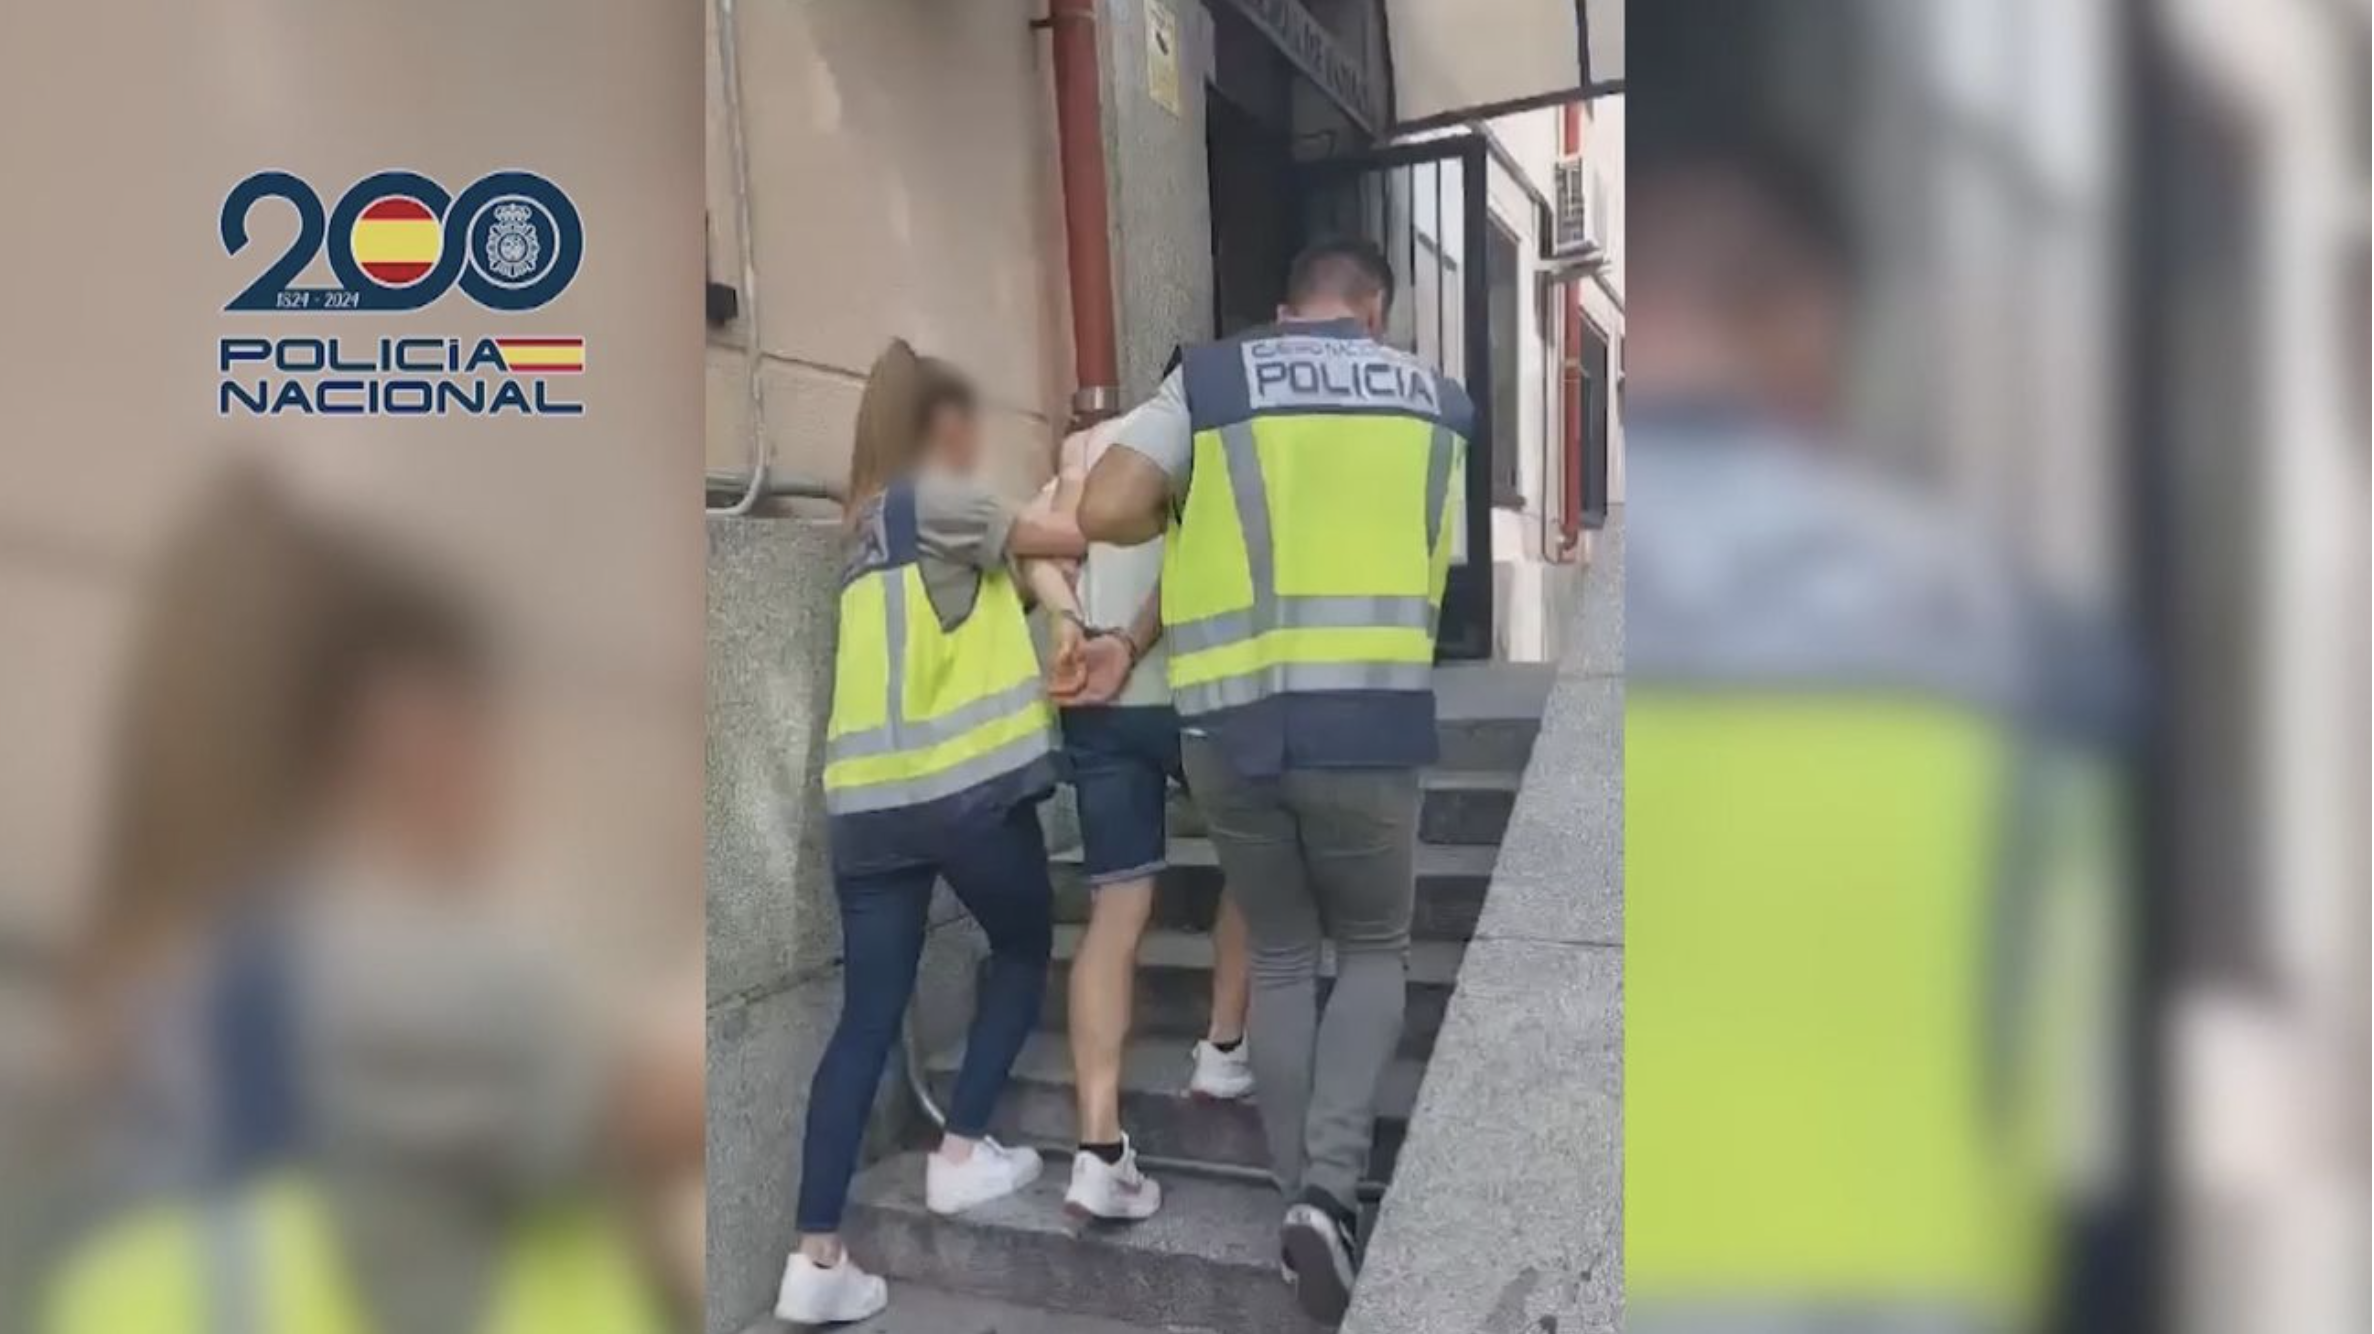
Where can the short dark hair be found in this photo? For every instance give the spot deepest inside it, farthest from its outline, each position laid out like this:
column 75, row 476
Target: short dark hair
column 1348, row 268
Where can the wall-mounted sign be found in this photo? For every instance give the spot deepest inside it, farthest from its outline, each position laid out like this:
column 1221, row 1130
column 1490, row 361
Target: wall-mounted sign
column 1340, row 73
column 1162, row 56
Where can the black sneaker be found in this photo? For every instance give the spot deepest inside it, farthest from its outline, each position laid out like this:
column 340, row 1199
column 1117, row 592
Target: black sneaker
column 1319, row 1246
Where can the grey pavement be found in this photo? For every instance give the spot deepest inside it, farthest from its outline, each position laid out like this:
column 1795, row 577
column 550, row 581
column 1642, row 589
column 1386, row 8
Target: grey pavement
column 1506, row 1210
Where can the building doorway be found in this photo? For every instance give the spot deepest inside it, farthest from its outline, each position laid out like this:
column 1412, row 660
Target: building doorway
column 1255, row 226
column 1425, row 205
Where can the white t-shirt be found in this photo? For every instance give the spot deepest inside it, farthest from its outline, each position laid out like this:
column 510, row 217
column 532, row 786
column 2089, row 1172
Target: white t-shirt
column 1116, row 581
column 1161, row 430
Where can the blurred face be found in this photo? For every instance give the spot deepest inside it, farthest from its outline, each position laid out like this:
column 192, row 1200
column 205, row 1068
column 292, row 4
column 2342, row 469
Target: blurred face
column 952, row 439
column 1801, row 345
column 1721, row 310
column 420, row 771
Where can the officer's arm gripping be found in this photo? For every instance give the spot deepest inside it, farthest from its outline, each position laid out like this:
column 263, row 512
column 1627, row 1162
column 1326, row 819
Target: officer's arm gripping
column 1125, row 499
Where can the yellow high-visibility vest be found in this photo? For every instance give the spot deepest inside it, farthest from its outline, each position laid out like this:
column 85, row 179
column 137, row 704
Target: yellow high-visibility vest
column 1810, row 1114
column 268, row 1262
column 1312, row 549
column 922, row 713
column 1842, row 1089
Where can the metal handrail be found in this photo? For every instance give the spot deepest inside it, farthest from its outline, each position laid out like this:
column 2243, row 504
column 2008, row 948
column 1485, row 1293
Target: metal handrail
column 919, row 1087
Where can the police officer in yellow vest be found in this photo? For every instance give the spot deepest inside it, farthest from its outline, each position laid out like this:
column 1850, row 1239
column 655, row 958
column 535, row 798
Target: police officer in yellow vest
column 1848, row 768
column 380, row 1107
column 1305, row 473
column 453, row 1111
column 941, row 746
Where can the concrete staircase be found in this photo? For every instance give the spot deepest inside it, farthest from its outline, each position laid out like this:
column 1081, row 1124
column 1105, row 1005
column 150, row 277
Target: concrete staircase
column 1208, row 1263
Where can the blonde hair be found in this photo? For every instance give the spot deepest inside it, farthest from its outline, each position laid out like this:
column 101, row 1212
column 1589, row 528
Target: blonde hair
column 904, row 392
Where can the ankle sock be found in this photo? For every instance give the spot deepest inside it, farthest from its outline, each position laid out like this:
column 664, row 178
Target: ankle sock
column 1229, row 1047
column 1110, row 1153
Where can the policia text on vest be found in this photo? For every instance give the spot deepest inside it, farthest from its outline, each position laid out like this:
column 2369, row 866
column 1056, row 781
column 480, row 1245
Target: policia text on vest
column 1333, row 374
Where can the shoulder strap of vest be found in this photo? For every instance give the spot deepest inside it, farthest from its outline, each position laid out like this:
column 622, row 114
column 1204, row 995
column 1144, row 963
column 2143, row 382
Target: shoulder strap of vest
column 885, row 533
column 1212, row 374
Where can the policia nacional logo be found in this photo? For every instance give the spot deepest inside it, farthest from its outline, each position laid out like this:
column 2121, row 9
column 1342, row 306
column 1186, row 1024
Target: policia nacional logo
column 398, row 241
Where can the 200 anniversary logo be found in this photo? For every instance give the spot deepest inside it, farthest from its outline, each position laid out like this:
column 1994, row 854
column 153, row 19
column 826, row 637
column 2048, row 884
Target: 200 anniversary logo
column 397, row 241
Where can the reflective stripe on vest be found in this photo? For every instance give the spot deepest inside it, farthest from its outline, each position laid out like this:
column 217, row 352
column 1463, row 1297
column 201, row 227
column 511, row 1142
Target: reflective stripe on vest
column 1244, row 617
column 921, row 713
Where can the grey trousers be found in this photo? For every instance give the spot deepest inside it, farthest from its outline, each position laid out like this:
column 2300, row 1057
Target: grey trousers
column 1313, row 856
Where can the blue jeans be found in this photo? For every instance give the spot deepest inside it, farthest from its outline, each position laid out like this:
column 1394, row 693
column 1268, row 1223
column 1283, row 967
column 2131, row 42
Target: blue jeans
column 999, row 873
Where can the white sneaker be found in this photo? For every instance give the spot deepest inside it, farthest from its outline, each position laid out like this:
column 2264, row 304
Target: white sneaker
column 992, row 1173
column 1114, row 1191
column 815, row 1295
column 1224, row 1076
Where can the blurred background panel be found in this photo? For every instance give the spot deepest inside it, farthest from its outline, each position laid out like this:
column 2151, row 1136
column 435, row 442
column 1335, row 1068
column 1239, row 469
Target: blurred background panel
column 570, row 544
column 2108, row 278
column 113, row 314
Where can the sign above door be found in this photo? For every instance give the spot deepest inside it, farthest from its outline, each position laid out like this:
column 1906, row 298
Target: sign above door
column 1339, row 71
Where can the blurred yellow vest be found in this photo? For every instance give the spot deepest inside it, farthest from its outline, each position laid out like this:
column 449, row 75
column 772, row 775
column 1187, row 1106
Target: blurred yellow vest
column 268, row 1262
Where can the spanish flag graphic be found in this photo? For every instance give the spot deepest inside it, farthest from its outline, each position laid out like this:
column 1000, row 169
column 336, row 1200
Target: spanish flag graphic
column 542, row 356
column 397, row 241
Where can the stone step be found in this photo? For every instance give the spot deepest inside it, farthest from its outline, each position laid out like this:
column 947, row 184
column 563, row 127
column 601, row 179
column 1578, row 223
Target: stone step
column 1174, row 986
column 1459, row 806
column 1208, row 1260
column 1486, row 743
column 917, row 1309
column 1467, row 806
column 1039, row 1105
column 1451, row 884
column 1488, row 713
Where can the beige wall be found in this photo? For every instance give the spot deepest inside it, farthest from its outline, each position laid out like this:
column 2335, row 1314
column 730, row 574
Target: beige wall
column 903, row 183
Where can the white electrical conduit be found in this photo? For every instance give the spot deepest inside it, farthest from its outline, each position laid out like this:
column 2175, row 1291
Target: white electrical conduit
column 730, row 75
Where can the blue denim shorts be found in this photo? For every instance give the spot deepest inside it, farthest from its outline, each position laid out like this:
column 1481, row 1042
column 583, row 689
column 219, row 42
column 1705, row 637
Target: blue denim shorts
column 1123, row 761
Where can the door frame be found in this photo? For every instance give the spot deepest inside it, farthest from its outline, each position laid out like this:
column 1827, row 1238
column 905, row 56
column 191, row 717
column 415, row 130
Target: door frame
column 1466, row 627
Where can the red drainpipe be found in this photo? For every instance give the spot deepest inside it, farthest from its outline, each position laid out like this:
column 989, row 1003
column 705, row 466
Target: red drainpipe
column 1570, row 142
column 1079, row 132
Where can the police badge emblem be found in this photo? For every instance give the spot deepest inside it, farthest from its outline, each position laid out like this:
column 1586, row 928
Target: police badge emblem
column 512, row 250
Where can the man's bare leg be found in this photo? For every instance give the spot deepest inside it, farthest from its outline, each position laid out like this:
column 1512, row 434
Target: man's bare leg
column 1232, row 978
column 1104, row 975
column 1106, row 1182
column 1223, row 1068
